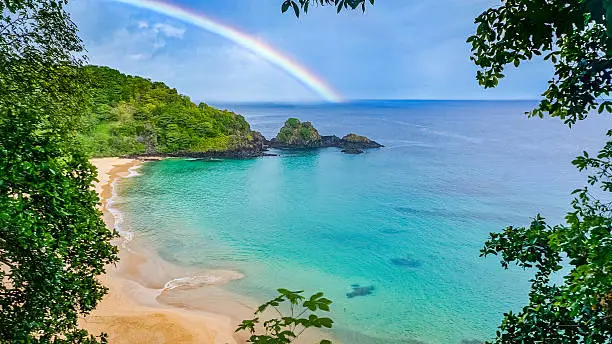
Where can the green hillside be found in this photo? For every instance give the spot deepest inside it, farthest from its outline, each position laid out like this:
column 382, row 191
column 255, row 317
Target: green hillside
column 131, row 115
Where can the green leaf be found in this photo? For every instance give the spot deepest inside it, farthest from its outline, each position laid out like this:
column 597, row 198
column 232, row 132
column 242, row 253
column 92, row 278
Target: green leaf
column 285, row 6
column 296, row 9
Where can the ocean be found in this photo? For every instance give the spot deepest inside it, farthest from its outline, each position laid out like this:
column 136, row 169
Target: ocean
column 408, row 219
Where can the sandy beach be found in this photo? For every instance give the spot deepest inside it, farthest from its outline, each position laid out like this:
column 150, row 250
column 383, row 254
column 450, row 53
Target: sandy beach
column 131, row 312
column 152, row 301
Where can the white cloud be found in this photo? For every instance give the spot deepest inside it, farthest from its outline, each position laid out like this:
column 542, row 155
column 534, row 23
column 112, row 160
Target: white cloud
column 169, row 30
column 215, row 71
column 138, row 56
column 143, row 25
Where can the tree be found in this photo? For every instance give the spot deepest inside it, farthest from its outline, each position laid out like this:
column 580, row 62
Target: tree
column 285, row 329
column 572, row 34
column 53, row 242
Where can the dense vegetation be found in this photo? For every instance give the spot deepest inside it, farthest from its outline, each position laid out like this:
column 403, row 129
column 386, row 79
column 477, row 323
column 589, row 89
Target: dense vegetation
column 132, row 115
column 53, row 242
column 298, row 133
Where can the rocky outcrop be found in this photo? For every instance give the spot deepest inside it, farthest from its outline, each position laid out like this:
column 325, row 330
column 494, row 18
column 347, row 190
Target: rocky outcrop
column 331, row 141
column 354, row 141
column 296, row 134
column 302, row 135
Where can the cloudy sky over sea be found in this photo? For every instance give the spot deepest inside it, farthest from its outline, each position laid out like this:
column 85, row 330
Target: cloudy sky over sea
column 398, row 49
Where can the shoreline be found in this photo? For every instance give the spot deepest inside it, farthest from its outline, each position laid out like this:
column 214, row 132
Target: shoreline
column 132, row 312
column 153, row 301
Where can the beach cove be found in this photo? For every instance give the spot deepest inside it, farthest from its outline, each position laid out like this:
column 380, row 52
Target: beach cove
column 153, row 301
column 404, row 222
column 130, row 312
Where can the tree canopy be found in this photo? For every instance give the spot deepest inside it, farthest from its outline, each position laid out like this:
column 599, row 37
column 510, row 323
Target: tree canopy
column 132, row 115
column 53, row 242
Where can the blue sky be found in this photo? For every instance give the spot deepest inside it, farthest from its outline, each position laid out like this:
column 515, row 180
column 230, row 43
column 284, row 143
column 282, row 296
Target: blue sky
column 398, row 49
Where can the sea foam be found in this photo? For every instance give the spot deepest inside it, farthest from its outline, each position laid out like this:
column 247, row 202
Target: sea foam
column 192, row 281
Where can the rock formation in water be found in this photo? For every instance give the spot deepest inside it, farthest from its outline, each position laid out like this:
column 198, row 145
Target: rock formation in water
column 303, row 135
column 360, row 291
column 296, row 134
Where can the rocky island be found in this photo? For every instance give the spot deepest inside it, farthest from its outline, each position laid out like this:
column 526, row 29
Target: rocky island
column 303, row 135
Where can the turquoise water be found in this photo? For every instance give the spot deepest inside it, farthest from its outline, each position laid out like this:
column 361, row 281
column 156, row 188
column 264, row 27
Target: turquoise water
column 408, row 219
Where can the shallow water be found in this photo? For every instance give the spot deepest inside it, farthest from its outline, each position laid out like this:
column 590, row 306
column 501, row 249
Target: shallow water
column 408, row 219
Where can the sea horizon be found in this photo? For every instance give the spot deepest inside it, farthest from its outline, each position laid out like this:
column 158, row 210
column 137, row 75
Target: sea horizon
column 356, row 101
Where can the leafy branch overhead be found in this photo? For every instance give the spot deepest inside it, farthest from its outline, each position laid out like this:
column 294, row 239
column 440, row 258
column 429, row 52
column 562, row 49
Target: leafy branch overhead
column 304, row 5
column 300, row 316
column 573, row 34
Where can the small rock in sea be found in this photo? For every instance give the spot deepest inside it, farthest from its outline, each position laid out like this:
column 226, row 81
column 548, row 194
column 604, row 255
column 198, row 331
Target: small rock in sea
column 352, row 151
column 406, row 262
column 360, row 291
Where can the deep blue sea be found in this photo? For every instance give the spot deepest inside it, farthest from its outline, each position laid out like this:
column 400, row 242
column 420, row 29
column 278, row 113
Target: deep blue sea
column 408, row 219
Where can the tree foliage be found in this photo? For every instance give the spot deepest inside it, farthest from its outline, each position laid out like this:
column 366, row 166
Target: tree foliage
column 53, row 242
column 572, row 34
column 563, row 32
column 304, row 5
column 287, row 327
column 133, row 115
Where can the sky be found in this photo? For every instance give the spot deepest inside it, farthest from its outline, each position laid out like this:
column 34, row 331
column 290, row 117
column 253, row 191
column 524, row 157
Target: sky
column 398, row 49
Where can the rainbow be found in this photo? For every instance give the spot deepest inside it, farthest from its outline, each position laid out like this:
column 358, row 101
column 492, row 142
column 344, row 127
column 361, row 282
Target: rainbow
column 260, row 48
